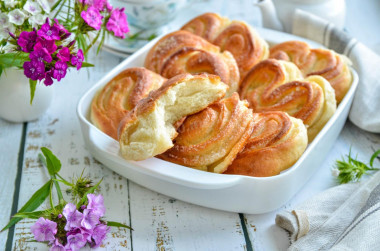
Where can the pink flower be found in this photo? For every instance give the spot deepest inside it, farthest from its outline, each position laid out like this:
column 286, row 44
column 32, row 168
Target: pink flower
column 96, row 204
column 49, row 81
column 75, row 241
column 92, row 17
column 99, row 234
column 27, row 40
column 40, row 54
column 34, row 69
column 72, row 215
column 47, row 44
column 64, row 54
column 61, row 29
column 98, row 4
column 59, row 72
column 57, row 246
column 118, row 23
column 49, row 32
column 44, row 230
column 109, row 6
column 90, row 219
column 76, row 60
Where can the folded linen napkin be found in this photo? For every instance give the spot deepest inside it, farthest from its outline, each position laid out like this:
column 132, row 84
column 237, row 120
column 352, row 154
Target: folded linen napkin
column 365, row 108
column 345, row 217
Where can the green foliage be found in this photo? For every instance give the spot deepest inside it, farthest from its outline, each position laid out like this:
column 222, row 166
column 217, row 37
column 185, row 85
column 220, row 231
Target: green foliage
column 117, row 224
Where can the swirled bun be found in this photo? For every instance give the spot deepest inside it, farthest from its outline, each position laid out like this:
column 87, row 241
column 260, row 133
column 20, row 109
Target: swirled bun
column 275, row 85
column 121, row 95
column 149, row 129
column 210, row 139
column 237, row 37
column 276, row 143
column 326, row 63
column 183, row 52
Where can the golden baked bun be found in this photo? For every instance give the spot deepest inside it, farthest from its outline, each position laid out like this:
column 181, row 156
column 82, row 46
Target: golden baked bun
column 210, row 139
column 183, row 52
column 276, row 143
column 237, row 37
column 276, row 85
column 149, row 128
column 326, row 63
column 121, row 95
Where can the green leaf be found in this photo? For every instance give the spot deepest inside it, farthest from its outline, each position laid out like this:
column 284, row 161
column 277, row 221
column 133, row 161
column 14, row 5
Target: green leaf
column 16, row 59
column 32, row 84
column 30, row 215
column 53, row 164
column 373, row 157
column 85, row 64
column 91, row 190
column 33, row 203
column 64, row 182
column 117, row 224
column 1, row 70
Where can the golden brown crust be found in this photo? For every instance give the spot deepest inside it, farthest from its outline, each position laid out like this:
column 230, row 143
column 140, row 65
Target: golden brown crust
column 237, row 37
column 183, row 52
column 121, row 95
column 275, row 85
column 210, row 139
column 323, row 62
column 276, row 143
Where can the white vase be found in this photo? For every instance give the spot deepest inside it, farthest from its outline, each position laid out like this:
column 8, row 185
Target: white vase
column 15, row 97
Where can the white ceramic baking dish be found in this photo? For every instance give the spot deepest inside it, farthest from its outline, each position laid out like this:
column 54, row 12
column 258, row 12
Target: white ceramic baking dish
column 233, row 193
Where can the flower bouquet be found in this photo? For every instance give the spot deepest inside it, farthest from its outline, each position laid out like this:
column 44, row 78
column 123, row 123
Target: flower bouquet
column 46, row 40
column 67, row 225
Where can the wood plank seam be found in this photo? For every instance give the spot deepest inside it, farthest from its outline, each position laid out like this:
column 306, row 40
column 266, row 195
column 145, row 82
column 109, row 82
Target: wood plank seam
column 245, row 231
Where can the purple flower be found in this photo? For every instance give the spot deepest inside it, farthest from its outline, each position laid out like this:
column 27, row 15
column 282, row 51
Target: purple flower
column 49, row 81
column 64, row 54
column 92, row 17
column 78, row 59
column 49, row 32
column 99, row 234
column 96, row 204
column 75, row 241
column 61, row 29
column 40, row 54
column 118, row 23
column 34, row 69
column 47, row 44
column 59, row 72
column 90, row 219
column 57, row 246
column 44, row 230
column 72, row 215
column 27, row 40
column 109, row 6
column 99, row 4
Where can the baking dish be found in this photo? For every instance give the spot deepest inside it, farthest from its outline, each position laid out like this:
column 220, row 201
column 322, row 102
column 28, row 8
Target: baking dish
column 234, row 193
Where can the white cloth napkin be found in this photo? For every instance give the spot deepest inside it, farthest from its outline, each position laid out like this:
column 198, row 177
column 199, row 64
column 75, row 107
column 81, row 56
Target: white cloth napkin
column 345, row 217
column 365, row 110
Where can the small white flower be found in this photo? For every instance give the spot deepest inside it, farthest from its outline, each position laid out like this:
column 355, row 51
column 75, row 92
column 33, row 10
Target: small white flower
column 32, row 7
column 4, row 20
column 4, row 31
column 335, row 172
column 17, row 17
column 37, row 20
column 10, row 3
column 8, row 48
column 45, row 5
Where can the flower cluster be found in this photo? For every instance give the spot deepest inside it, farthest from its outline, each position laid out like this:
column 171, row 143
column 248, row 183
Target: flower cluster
column 74, row 227
column 50, row 52
column 95, row 11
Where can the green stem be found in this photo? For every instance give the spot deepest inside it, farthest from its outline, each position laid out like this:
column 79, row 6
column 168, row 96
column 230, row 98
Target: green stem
column 51, row 196
column 59, row 10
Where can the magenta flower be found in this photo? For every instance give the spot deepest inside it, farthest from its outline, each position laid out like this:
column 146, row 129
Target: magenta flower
column 34, row 70
column 49, row 45
column 75, row 241
column 40, row 54
column 59, row 72
column 99, row 234
column 49, row 32
column 76, row 60
column 109, row 6
column 49, row 81
column 27, row 40
column 72, row 215
column 57, row 246
column 44, row 230
column 96, row 204
column 90, row 219
column 61, row 29
column 64, row 54
column 98, row 4
column 92, row 17
column 118, row 23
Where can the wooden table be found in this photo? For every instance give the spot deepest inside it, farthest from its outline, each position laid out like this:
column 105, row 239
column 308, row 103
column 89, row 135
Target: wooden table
column 159, row 222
